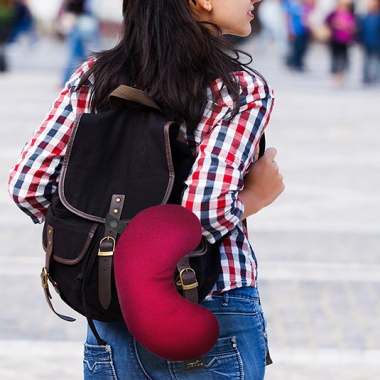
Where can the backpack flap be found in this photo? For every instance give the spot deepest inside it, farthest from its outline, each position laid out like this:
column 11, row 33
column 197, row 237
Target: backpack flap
column 121, row 151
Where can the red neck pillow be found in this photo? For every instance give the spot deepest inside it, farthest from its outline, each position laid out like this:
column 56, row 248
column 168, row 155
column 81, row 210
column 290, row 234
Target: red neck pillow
column 145, row 259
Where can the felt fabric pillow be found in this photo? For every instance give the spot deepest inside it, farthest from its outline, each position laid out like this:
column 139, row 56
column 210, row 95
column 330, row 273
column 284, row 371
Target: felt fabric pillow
column 145, row 259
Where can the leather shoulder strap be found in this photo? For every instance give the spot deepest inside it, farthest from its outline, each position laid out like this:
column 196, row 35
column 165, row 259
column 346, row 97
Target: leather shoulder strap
column 124, row 92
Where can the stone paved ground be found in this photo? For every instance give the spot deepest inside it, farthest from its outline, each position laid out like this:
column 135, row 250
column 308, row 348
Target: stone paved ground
column 318, row 245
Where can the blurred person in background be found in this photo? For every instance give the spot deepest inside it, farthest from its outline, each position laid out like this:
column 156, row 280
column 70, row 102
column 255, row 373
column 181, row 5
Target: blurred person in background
column 297, row 13
column 7, row 22
column 80, row 29
column 273, row 22
column 369, row 38
column 24, row 23
column 342, row 24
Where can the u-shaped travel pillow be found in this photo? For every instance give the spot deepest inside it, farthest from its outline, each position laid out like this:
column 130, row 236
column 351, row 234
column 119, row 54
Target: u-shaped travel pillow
column 145, row 259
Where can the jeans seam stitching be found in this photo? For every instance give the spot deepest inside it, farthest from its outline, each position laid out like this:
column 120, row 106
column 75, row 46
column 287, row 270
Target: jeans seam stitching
column 108, row 362
column 139, row 360
column 112, row 363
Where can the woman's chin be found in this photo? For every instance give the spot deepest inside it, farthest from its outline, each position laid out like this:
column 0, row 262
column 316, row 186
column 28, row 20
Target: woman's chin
column 241, row 33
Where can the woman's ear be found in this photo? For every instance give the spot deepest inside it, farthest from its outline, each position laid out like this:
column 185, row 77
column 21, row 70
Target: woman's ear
column 202, row 5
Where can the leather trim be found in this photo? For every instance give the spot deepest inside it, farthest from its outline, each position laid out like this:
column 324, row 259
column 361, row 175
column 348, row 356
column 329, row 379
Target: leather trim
column 45, row 276
column 105, row 253
column 84, row 249
column 66, row 162
column 49, row 248
column 61, row 183
column 123, row 92
column 169, row 162
column 200, row 250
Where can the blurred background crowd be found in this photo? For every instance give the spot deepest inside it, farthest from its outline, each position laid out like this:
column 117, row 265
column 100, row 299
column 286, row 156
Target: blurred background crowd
column 79, row 24
column 339, row 24
column 288, row 25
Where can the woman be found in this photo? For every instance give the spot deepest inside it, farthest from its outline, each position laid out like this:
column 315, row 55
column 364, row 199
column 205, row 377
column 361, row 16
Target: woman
column 342, row 24
column 173, row 49
column 298, row 13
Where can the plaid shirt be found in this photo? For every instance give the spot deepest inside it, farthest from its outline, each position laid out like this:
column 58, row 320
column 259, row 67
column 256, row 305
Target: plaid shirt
column 225, row 148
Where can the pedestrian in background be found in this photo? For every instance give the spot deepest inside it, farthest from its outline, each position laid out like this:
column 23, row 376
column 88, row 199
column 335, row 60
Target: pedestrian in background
column 369, row 38
column 274, row 28
column 7, row 22
column 24, row 23
column 298, row 12
column 342, row 24
column 80, row 28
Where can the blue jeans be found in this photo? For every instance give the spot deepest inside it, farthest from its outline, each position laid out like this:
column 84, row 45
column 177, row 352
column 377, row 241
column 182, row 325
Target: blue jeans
column 299, row 46
column 371, row 65
column 239, row 353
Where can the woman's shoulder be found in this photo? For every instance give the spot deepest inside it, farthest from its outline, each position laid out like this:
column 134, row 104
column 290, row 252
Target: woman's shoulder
column 252, row 87
column 77, row 77
column 253, row 84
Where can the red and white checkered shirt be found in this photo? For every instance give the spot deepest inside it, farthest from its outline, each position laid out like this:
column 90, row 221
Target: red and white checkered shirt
column 225, row 149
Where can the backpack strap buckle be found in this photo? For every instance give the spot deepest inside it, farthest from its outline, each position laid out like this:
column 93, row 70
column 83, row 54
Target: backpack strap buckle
column 45, row 279
column 106, row 246
column 187, row 280
column 105, row 253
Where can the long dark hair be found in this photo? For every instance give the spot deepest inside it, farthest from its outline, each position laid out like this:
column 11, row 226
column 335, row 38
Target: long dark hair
column 74, row 6
column 166, row 52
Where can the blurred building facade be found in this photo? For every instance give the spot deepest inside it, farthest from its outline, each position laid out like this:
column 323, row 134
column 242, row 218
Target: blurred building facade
column 46, row 12
column 109, row 10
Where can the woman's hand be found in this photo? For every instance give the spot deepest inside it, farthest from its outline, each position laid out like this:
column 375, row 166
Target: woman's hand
column 262, row 184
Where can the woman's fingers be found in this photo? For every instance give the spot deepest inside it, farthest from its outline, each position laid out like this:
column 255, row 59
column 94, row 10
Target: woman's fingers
column 270, row 154
column 262, row 184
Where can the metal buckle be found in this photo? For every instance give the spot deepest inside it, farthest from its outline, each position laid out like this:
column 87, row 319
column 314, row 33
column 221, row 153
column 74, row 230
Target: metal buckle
column 187, row 286
column 107, row 253
column 45, row 278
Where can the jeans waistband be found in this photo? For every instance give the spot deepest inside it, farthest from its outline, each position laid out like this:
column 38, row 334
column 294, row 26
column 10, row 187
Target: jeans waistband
column 246, row 292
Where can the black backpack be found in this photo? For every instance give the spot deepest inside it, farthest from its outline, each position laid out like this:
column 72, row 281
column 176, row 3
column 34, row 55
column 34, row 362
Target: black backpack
column 118, row 163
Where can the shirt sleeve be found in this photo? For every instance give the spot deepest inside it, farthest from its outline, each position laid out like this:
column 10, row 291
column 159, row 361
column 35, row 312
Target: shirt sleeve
column 34, row 178
column 226, row 150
